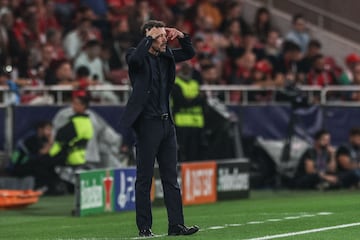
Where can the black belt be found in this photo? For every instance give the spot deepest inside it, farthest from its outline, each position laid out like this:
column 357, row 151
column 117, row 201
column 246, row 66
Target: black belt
column 164, row 117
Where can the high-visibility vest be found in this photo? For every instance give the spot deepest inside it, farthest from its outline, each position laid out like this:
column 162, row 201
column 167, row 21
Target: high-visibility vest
column 189, row 116
column 84, row 131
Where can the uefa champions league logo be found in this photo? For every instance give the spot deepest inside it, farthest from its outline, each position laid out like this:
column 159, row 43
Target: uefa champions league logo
column 127, row 190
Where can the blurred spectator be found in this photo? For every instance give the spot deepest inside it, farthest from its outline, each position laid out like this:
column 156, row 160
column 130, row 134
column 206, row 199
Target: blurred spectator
column 272, row 45
column 53, row 38
column 299, row 34
column 46, row 18
column 261, row 76
column 13, row 95
column 105, row 54
column 30, row 158
column 348, row 158
column 206, row 10
column 82, row 81
column 184, row 24
column 240, row 70
column 287, row 64
column 355, row 95
column 181, row 8
column 313, row 49
column 262, row 24
column 64, row 10
column 71, row 140
column 162, row 11
column 138, row 15
column 251, row 44
column 347, row 77
column 319, row 74
column 90, row 57
column 99, row 7
column 204, row 54
column 188, row 103
column 213, row 39
column 60, row 72
column 39, row 69
column 120, row 42
column 233, row 10
column 84, row 12
column 75, row 40
column 317, row 168
column 234, row 36
column 211, row 76
column 103, row 149
column 9, row 46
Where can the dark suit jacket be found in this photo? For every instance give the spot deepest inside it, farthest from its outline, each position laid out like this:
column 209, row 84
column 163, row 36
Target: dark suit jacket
column 140, row 74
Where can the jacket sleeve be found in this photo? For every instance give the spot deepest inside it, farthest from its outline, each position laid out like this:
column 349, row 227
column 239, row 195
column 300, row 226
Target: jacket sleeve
column 136, row 56
column 186, row 51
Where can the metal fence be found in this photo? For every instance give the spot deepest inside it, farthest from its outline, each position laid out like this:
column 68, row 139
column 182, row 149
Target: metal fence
column 325, row 95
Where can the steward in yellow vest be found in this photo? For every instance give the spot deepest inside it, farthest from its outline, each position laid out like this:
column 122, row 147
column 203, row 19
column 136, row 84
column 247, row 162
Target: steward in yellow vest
column 187, row 107
column 71, row 139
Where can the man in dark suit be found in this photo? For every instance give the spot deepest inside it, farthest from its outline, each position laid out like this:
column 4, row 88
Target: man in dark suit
column 152, row 75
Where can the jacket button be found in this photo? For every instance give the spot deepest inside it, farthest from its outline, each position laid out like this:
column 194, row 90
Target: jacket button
column 148, row 92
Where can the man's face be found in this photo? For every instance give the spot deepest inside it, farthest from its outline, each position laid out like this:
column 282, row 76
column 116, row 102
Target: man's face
column 78, row 106
column 159, row 44
column 94, row 52
column 300, row 25
column 46, row 131
column 324, row 140
column 355, row 140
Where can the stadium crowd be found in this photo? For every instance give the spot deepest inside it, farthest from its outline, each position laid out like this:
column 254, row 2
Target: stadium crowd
column 45, row 42
column 83, row 43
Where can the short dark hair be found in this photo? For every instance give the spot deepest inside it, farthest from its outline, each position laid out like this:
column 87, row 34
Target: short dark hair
column 43, row 123
column 315, row 58
column 314, row 43
column 150, row 24
column 290, row 46
column 84, row 99
column 296, row 17
column 208, row 67
column 92, row 43
column 354, row 131
column 320, row 133
column 82, row 71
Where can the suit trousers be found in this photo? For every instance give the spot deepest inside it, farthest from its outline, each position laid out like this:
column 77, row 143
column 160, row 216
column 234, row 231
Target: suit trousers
column 156, row 138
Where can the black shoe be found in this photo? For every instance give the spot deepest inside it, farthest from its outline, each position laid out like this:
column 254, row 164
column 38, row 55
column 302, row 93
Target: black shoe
column 146, row 233
column 181, row 229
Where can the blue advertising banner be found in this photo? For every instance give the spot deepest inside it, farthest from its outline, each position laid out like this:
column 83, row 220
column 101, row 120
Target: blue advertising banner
column 124, row 183
column 269, row 121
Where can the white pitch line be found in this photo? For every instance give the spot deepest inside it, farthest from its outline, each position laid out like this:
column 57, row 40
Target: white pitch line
column 155, row 236
column 306, row 231
column 233, row 225
column 255, row 222
column 251, row 223
column 324, row 213
column 292, row 217
column 216, row 227
column 274, row 220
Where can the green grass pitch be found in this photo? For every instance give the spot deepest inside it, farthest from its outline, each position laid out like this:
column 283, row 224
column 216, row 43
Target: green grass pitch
column 265, row 215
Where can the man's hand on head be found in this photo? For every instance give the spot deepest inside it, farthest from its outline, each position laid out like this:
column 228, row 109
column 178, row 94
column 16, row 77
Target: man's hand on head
column 154, row 32
column 172, row 33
